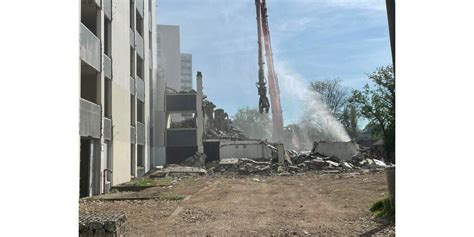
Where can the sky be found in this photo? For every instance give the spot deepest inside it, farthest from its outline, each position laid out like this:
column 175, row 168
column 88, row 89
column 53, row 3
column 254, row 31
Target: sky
column 312, row 39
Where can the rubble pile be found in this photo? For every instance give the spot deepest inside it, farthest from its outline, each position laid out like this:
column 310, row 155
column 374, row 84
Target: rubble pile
column 197, row 160
column 218, row 125
column 298, row 162
column 243, row 166
column 186, row 123
column 102, row 224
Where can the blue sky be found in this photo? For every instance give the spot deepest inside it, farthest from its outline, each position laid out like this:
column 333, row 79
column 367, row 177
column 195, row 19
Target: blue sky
column 314, row 39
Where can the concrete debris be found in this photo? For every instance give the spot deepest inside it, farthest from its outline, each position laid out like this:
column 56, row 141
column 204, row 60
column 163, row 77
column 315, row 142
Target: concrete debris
column 218, row 125
column 297, row 162
column 197, row 160
column 177, row 170
column 102, row 224
column 186, row 123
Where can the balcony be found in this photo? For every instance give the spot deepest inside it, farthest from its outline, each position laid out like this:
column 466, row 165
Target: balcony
column 132, row 86
column 107, row 66
column 90, row 48
column 140, row 6
column 107, row 129
column 132, row 135
column 89, row 124
column 108, row 8
column 132, row 38
column 150, row 20
column 139, row 44
column 150, row 58
column 140, row 133
column 140, row 89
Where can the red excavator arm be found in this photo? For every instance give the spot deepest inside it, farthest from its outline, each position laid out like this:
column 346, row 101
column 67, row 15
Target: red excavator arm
column 264, row 32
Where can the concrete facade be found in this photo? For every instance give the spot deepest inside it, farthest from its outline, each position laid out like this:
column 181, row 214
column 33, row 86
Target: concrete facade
column 252, row 149
column 115, row 91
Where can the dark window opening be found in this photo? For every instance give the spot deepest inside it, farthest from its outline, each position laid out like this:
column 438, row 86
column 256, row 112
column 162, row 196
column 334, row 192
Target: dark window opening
column 132, row 159
column 108, row 37
column 132, row 110
column 90, row 84
column 89, row 16
column 140, row 156
column 139, row 24
column 132, row 62
column 140, row 68
column 132, row 17
column 108, row 99
column 140, row 111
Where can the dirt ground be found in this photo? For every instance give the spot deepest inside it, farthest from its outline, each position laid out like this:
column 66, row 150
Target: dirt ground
column 302, row 204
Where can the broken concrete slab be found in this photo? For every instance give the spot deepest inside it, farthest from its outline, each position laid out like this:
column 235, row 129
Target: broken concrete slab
column 178, row 170
column 341, row 150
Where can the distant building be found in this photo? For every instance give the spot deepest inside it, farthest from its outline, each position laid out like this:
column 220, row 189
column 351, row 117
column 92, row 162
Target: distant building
column 169, row 54
column 186, row 72
column 116, row 60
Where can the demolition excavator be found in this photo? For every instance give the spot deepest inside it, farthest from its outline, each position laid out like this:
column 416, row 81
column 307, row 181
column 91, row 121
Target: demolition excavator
column 274, row 91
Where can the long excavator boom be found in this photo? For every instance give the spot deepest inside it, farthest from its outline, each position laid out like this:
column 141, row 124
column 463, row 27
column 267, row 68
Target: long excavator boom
column 263, row 30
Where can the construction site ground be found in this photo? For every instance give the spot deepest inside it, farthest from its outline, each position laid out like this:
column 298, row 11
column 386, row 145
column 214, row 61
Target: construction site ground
column 300, row 204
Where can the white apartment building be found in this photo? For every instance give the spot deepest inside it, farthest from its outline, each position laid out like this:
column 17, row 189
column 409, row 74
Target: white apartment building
column 116, row 73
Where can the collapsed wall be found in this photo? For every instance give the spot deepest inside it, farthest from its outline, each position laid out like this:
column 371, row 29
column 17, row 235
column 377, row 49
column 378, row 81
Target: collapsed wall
column 342, row 150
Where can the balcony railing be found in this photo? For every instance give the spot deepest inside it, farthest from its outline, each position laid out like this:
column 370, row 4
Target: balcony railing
column 140, row 133
column 107, row 66
column 132, row 86
column 108, row 8
column 89, row 124
column 139, row 44
column 132, row 135
column 140, row 89
column 139, row 5
column 90, row 47
column 132, row 38
column 107, row 129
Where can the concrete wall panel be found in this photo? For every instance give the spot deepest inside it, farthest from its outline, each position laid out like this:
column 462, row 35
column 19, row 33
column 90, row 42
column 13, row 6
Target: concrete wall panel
column 341, row 150
column 244, row 149
column 89, row 125
column 90, row 48
column 140, row 89
column 140, row 133
column 181, row 137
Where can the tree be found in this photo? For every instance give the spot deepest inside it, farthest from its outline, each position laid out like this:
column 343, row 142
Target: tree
column 333, row 94
column 349, row 119
column 253, row 123
column 377, row 104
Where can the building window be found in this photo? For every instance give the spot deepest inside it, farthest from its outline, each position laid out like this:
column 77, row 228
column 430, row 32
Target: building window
column 132, row 16
column 140, row 111
column 132, row 62
column 139, row 24
column 108, row 37
column 132, row 110
column 140, row 155
column 108, row 99
column 140, row 68
column 132, row 159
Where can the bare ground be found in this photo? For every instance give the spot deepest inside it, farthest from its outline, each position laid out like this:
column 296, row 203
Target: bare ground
column 303, row 204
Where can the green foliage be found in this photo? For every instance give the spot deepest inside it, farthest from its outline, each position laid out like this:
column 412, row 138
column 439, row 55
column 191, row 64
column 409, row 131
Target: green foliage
column 253, row 123
column 384, row 208
column 349, row 119
column 377, row 104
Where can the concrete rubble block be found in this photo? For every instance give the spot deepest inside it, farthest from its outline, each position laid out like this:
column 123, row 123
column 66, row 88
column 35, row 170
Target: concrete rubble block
column 341, row 150
column 178, row 170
